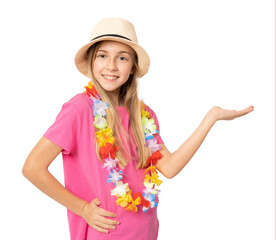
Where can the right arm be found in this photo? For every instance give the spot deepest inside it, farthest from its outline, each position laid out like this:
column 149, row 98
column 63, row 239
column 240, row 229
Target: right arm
column 36, row 171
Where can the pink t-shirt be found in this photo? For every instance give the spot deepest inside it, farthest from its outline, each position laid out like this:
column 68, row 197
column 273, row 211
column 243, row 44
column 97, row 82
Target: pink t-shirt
column 84, row 176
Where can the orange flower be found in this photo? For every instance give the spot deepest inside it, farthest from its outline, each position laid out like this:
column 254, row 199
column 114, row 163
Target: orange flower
column 91, row 90
column 108, row 149
column 151, row 169
column 144, row 202
column 154, row 157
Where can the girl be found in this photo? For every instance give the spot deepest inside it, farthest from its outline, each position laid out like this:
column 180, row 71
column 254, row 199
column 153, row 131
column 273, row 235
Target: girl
column 110, row 143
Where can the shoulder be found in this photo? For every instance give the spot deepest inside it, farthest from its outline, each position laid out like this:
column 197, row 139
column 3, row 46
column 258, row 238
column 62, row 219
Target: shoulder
column 80, row 99
column 80, row 102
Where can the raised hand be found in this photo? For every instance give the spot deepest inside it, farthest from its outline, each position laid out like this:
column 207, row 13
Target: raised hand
column 224, row 114
column 96, row 216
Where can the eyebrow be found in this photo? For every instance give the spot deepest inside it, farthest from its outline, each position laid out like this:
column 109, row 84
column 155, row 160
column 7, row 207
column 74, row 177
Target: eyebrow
column 101, row 50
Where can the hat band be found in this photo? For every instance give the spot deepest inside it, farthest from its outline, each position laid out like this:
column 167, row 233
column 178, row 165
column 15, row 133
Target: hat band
column 111, row 35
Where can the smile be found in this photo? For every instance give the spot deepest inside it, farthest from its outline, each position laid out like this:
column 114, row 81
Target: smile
column 110, row 77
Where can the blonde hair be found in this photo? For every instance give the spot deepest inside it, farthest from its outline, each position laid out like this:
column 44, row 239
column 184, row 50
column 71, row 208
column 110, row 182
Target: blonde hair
column 128, row 97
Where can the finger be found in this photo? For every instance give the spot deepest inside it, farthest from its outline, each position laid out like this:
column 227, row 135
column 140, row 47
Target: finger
column 250, row 108
column 107, row 220
column 99, row 229
column 103, row 212
column 245, row 111
column 104, row 225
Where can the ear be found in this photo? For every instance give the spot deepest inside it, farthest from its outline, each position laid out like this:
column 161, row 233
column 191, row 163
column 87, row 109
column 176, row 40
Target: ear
column 132, row 70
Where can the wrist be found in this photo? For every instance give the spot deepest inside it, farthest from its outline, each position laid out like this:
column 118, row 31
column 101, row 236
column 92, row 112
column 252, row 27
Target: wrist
column 83, row 209
column 213, row 114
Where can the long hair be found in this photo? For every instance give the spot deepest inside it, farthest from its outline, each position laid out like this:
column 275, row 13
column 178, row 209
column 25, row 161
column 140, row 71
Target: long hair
column 128, row 97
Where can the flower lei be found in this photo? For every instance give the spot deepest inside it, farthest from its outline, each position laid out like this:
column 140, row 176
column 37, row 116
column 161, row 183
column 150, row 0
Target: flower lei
column 107, row 150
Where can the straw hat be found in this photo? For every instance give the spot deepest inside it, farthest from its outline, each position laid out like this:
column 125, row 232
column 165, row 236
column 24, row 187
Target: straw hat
column 115, row 29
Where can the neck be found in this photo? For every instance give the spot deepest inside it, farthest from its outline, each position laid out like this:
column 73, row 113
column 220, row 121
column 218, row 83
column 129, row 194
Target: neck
column 114, row 96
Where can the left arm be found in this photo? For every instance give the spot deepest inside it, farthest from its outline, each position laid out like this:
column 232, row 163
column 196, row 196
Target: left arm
column 172, row 163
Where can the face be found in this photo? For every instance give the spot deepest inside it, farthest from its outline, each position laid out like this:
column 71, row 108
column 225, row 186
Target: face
column 113, row 65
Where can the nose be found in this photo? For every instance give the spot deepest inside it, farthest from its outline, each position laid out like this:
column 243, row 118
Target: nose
column 111, row 65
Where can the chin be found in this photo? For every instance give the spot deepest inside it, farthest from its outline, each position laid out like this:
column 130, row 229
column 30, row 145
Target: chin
column 109, row 88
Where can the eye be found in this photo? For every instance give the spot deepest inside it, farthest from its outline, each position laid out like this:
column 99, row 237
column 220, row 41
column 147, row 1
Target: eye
column 122, row 59
column 100, row 56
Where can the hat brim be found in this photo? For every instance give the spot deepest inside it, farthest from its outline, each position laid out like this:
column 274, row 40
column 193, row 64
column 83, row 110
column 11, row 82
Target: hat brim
column 143, row 58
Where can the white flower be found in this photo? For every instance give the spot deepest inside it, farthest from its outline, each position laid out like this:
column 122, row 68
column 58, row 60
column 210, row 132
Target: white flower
column 149, row 189
column 110, row 163
column 99, row 107
column 153, row 145
column 114, row 176
column 151, row 199
column 120, row 189
column 100, row 122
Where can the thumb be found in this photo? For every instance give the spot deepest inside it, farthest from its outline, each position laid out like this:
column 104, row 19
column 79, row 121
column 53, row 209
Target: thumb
column 96, row 201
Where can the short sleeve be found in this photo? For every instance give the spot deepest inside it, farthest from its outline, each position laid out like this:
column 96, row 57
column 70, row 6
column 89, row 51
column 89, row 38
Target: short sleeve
column 153, row 115
column 63, row 131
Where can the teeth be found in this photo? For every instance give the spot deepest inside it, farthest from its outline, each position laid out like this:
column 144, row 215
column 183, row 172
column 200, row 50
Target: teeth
column 110, row 77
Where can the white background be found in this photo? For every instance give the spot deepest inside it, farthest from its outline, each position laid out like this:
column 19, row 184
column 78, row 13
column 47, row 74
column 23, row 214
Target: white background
column 203, row 53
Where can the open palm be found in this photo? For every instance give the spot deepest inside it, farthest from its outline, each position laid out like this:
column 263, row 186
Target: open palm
column 224, row 114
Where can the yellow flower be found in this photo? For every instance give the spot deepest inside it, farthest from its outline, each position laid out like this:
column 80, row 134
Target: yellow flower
column 133, row 205
column 145, row 114
column 89, row 85
column 124, row 200
column 153, row 178
column 104, row 136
